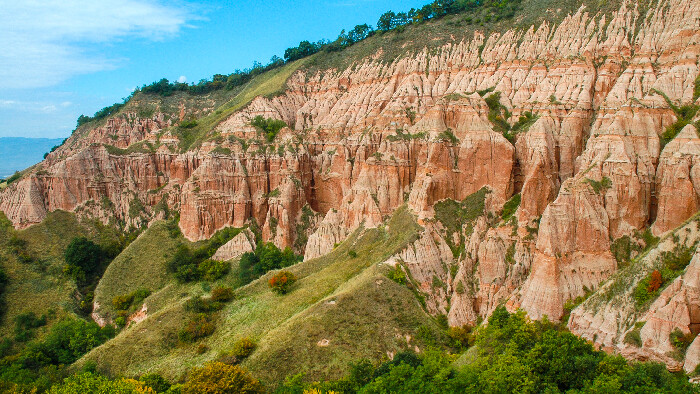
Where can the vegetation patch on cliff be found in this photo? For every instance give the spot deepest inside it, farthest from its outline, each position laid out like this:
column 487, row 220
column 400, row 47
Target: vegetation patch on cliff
column 457, row 217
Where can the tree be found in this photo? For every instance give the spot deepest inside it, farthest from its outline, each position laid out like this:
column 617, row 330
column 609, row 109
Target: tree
column 83, row 258
column 386, row 21
column 359, row 33
column 220, row 378
column 282, row 282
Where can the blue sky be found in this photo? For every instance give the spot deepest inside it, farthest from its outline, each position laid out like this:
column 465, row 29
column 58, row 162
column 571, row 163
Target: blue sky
column 63, row 58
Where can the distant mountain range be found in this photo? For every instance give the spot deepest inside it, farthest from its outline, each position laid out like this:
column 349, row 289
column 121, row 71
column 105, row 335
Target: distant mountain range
column 18, row 153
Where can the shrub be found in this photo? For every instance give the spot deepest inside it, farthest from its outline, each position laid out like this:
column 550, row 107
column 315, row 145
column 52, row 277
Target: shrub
column 67, row 341
column 352, row 254
column 655, row 281
column 281, row 282
column 448, row 136
column 462, row 336
column 90, row 382
column 199, row 326
column 680, row 341
column 83, row 258
column 122, row 302
column 202, row 305
column 189, row 265
column 270, row 127
column 510, row 207
column 155, row 382
column 216, row 377
column 222, row 294
column 397, row 275
column 243, row 347
column 267, row 257
column 25, row 324
column 213, row 269
column 13, row 177
column 126, row 301
column 634, row 337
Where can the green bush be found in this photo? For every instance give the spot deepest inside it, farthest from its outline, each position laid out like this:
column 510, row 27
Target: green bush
column 126, row 301
column 266, row 257
column 448, row 136
column 25, row 324
column 198, row 327
column 680, row 341
column 202, row 305
column 67, row 341
column 270, row 127
column 213, row 269
column 217, row 377
column 282, row 282
column 83, row 259
column 222, row 294
column 634, row 337
column 156, row 382
column 510, row 207
column 397, row 275
column 13, row 177
column 243, row 348
column 189, row 265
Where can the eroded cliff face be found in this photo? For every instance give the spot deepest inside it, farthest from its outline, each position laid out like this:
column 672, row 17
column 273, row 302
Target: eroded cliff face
column 576, row 132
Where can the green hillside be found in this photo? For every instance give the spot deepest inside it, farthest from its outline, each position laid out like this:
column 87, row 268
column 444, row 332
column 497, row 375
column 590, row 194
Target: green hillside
column 347, row 301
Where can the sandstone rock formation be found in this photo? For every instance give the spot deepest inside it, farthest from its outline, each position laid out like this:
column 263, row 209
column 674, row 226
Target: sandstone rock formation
column 237, row 246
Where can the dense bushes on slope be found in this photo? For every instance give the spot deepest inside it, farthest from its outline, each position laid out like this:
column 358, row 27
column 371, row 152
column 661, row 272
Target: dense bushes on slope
column 190, row 265
column 267, row 257
column 511, row 355
column 42, row 362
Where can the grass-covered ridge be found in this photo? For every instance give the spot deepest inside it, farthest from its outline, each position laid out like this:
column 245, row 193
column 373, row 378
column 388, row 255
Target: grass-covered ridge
column 342, row 287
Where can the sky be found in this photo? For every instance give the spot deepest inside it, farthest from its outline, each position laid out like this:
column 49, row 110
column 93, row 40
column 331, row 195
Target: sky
column 63, row 58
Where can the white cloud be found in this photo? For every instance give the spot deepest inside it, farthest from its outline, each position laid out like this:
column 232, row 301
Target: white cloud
column 182, row 79
column 43, row 42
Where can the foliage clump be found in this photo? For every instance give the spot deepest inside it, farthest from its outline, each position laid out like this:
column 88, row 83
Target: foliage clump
column 671, row 264
column 398, row 275
column 191, row 265
column 222, row 294
column 604, row 184
column 448, row 136
column 217, row 377
column 199, row 326
column 84, row 259
column 241, row 350
column 126, row 301
column 458, row 215
column 282, row 282
column 270, row 127
column 266, row 257
column 510, row 207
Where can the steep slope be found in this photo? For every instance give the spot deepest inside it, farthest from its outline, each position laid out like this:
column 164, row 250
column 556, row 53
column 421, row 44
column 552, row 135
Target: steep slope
column 306, row 330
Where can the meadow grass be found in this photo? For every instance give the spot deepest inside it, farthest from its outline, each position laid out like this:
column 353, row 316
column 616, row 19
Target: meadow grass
column 40, row 285
column 140, row 266
column 370, row 316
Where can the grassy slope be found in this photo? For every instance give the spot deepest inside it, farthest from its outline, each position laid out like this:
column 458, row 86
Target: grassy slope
column 266, row 84
column 41, row 285
column 454, row 28
column 367, row 319
column 140, row 265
